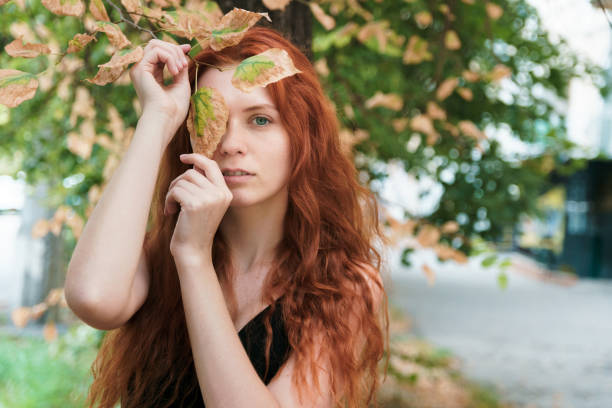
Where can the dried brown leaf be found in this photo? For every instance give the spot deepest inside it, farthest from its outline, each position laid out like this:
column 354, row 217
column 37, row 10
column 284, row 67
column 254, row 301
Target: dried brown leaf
column 21, row 316
column 470, row 76
column 114, row 34
column 400, row 124
column 134, row 8
column 65, row 7
column 416, row 51
column 499, row 72
column 429, row 274
column 98, row 11
column 435, row 112
column 465, row 93
column 262, row 69
column 50, row 331
column 233, row 26
column 428, row 236
column 326, row 21
column 112, row 70
column 377, row 29
column 321, row 67
column 348, row 139
column 452, row 41
column 276, row 4
column 468, row 128
column 390, row 101
column 494, row 11
column 16, row 87
column 446, row 88
column 450, row 227
column 18, row 48
column 423, row 18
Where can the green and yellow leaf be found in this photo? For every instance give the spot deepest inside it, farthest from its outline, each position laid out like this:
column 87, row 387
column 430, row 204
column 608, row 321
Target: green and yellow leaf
column 207, row 120
column 16, row 87
column 78, row 42
column 262, row 69
column 112, row 70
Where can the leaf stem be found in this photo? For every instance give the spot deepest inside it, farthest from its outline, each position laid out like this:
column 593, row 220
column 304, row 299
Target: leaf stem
column 126, row 20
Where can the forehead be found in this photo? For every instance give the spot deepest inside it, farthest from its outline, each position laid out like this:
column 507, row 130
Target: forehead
column 234, row 97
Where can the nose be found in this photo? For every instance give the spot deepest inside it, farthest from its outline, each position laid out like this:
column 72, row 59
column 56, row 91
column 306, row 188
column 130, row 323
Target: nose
column 232, row 141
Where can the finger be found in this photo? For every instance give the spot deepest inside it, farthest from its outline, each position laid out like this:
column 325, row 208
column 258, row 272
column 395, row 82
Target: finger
column 175, row 50
column 193, row 176
column 161, row 55
column 209, row 166
column 174, row 199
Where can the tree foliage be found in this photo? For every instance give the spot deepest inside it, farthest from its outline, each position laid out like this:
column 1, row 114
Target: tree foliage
column 421, row 83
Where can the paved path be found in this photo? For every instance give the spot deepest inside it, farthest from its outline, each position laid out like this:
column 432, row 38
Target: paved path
column 539, row 343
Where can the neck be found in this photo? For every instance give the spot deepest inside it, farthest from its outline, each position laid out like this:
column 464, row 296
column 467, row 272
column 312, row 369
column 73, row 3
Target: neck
column 254, row 232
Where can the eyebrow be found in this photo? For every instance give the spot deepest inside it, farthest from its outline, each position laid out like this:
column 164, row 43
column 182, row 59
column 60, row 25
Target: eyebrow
column 257, row 107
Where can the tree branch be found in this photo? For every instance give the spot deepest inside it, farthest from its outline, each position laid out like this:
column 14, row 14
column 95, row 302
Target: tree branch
column 128, row 21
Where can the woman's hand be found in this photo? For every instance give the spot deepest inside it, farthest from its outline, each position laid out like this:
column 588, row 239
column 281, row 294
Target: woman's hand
column 204, row 198
column 168, row 103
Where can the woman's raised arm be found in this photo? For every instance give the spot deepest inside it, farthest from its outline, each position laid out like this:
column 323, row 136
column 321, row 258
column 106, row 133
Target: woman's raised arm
column 107, row 278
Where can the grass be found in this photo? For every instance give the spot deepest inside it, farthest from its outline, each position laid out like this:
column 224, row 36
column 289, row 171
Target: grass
column 34, row 373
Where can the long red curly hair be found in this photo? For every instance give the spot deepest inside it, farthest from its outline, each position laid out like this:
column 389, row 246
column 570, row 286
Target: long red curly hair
column 331, row 230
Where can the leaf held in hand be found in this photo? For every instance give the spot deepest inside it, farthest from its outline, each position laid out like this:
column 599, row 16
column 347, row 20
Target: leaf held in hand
column 98, row 11
column 78, row 42
column 18, row 48
column 16, row 87
column 207, row 120
column 114, row 34
column 233, row 26
column 262, row 69
column 65, row 7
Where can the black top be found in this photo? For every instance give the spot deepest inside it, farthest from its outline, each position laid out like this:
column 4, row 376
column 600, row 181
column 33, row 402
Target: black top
column 253, row 338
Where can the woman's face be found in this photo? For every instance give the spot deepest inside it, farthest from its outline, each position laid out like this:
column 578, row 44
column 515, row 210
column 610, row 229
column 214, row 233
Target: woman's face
column 255, row 141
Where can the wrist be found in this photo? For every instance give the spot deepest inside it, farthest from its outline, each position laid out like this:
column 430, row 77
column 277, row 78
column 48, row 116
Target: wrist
column 160, row 122
column 186, row 260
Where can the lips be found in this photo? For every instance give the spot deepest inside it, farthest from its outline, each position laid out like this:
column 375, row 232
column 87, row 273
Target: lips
column 227, row 171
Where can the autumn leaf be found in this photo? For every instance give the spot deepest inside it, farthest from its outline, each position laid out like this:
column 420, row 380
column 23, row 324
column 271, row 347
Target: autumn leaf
column 428, row 235
column 450, row 227
column 400, row 124
column 207, row 120
column 276, row 4
column 133, row 6
column 50, row 331
column 233, row 26
column 38, row 310
column 26, row 50
column 326, row 21
column 424, row 124
column 186, row 23
column 65, row 7
column 262, row 69
column 423, row 18
column 98, row 11
column 451, row 40
column 465, row 93
column 494, row 11
column 321, row 67
column 446, row 88
column 429, row 274
column 348, row 139
column 416, row 51
column 16, row 87
column 377, row 29
column 470, row 76
column 114, row 34
column 499, row 72
column 389, row 101
column 78, row 42
column 112, row 70
column 468, row 128
column 21, row 316
column 435, row 112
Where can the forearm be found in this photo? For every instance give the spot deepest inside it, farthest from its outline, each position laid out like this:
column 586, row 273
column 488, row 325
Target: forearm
column 225, row 374
column 104, row 261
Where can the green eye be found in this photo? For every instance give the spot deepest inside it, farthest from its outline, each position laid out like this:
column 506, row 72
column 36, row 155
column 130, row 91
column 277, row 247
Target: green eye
column 261, row 121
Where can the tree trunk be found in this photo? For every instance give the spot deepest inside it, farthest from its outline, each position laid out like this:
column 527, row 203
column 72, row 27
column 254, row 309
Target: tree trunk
column 295, row 22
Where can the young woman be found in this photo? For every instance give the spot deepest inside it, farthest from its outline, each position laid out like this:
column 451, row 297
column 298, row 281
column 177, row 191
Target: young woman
column 257, row 290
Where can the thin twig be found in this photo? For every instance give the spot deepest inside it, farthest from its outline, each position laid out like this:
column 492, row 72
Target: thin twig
column 604, row 11
column 126, row 20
